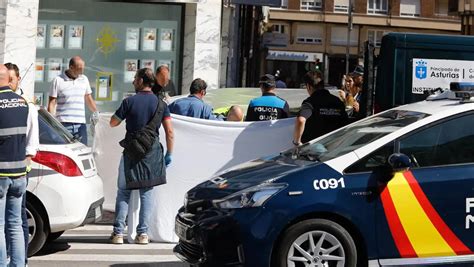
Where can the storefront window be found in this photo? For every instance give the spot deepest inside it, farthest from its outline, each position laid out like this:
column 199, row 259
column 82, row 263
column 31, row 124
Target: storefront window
column 113, row 38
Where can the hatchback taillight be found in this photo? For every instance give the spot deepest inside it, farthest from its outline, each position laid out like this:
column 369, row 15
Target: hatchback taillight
column 58, row 162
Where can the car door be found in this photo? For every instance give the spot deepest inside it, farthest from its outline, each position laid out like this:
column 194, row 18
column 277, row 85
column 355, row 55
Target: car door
column 425, row 212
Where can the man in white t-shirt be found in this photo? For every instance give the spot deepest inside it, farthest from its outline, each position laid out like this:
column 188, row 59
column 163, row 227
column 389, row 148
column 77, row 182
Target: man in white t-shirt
column 67, row 96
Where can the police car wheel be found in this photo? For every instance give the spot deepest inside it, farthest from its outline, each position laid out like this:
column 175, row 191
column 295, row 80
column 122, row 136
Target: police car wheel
column 316, row 242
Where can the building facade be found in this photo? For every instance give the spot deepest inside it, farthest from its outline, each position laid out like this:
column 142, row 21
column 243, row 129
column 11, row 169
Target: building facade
column 115, row 38
column 304, row 31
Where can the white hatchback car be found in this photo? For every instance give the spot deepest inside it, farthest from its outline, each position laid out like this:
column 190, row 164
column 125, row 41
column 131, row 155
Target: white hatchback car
column 64, row 189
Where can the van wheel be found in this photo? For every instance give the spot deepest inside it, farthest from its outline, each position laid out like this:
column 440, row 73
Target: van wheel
column 316, row 242
column 38, row 231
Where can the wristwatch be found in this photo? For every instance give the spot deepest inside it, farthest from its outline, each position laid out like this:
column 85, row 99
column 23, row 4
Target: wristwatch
column 296, row 143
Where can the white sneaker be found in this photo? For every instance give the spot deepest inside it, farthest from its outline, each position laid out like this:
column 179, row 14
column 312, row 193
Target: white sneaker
column 142, row 239
column 116, row 238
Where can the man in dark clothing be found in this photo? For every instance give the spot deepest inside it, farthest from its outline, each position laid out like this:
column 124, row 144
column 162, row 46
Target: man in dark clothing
column 163, row 88
column 268, row 106
column 320, row 113
column 144, row 174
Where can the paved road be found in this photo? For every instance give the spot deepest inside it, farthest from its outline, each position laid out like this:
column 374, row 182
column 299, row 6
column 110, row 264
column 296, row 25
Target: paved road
column 88, row 247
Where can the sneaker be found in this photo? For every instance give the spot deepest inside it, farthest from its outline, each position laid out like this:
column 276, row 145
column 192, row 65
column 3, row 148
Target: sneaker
column 142, row 239
column 116, row 238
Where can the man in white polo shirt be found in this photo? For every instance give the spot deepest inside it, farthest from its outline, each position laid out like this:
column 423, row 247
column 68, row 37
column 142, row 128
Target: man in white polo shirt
column 67, row 96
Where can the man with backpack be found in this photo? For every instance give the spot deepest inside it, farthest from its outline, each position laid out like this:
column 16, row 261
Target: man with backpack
column 144, row 165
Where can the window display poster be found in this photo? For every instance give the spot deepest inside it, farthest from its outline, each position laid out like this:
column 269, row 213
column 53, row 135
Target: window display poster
column 132, row 39
column 56, row 38
column 147, row 63
column 104, row 86
column 166, row 40
column 168, row 63
column 130, row 66
column 41, row 36
column 55, row 68
column 149, row 39
column 39, row 99
column 39, row 70
column 75, row 36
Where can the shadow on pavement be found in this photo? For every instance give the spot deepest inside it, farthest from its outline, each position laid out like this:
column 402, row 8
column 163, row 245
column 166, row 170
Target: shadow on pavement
column 157, row 264
column 53, row 247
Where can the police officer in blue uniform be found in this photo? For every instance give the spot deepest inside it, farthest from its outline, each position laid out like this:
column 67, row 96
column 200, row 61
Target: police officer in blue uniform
column 269, row 106
column 14, row 135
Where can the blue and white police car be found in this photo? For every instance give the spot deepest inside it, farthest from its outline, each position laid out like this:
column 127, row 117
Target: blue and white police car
column 396, row 188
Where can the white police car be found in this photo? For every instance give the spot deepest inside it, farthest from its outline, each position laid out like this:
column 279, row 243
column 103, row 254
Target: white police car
column 64, row 189
column 394, row 189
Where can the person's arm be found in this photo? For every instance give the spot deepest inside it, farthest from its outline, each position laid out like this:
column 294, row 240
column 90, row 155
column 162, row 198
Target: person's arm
column 90, row 103
column 120, row 114
column 168, row 127
column 299, row 128
column 250, row 113
column 32, row 134
column 287, row 111
column 53, row 94
column 115, row 121
column 52, row 105
column 305, row 112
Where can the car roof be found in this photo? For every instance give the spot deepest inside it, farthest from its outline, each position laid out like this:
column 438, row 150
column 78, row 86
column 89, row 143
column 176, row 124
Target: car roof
column 438, row 106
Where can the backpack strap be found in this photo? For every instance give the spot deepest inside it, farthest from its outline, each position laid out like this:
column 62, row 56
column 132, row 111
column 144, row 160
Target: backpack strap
column 158, row 116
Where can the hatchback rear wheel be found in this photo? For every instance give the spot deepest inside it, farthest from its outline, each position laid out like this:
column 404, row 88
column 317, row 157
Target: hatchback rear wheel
column 316, row 243
column 38, row 232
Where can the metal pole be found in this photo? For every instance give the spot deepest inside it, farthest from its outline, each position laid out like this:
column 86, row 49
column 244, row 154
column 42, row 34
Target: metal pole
column 349, row 29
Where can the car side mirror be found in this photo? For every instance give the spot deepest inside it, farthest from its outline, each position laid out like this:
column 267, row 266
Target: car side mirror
column 399, row 162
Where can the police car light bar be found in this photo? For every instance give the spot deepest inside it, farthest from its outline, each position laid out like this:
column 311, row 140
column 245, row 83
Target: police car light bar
column 463, row 90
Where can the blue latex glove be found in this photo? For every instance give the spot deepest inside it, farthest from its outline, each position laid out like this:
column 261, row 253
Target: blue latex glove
column 168, row 159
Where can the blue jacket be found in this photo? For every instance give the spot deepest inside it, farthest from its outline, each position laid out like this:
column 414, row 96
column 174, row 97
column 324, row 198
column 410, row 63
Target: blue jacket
column 192, row 106
column 13, row 127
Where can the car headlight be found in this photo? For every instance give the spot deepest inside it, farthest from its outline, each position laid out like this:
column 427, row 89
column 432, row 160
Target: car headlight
column 185, row 199
column 250, row 197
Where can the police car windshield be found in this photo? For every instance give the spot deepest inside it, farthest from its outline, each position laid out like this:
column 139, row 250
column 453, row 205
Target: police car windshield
column 356, row 135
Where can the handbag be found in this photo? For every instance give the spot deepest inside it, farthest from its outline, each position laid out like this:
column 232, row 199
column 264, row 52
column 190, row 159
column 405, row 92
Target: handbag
column 139, row 143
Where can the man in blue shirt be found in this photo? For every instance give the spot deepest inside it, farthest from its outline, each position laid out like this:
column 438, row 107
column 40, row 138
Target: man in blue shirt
column 194, row 106
column 269, row 106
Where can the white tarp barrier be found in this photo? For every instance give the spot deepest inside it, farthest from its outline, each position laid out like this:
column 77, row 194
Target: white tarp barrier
column 202, row 149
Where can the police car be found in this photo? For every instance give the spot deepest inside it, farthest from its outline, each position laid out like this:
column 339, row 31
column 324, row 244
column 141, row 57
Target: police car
column 64, row 190
column 396, row 188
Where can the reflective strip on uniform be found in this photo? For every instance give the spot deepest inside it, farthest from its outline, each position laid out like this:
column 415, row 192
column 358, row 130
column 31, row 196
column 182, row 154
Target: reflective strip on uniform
column 13, row 131
column 13, row 174
column 12, row 165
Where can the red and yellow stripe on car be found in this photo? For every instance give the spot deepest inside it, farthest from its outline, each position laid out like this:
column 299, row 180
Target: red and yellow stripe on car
column 416, row 227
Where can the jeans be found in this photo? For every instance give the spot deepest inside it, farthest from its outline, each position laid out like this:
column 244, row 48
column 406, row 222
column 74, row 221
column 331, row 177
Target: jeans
column 121, row 205
column 11, row 196
column 78, row 130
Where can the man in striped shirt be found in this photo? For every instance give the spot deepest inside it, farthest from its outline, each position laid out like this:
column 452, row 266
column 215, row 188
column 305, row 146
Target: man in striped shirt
column 67, row 96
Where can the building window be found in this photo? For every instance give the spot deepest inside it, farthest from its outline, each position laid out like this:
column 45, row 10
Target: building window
column 377, row 7
column 446, row 7
column 375, row 36
column 309, row 34
column 410, row 8
column 311, row 4
column 341, row 6
column 339, row 36
column 278, row 28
